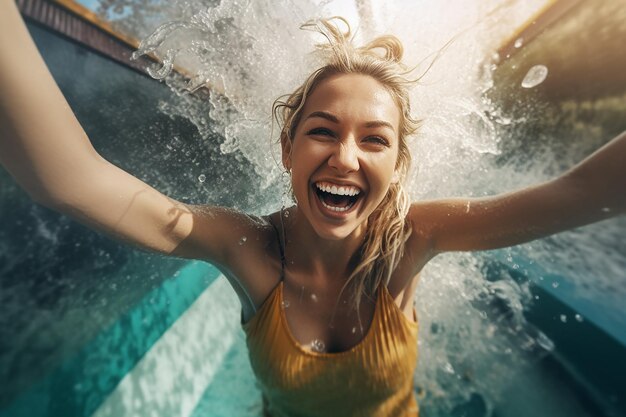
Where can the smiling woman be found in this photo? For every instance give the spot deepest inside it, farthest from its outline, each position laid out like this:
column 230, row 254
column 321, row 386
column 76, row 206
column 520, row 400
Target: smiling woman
column 326, row 286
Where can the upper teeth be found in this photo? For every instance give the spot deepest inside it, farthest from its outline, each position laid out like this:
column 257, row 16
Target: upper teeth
column 339, row 190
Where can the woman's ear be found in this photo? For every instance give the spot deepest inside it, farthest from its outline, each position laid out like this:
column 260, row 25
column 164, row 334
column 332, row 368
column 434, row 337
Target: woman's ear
column 285, row 144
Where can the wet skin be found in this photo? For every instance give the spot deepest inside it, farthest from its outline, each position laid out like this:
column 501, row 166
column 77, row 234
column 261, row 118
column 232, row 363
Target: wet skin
column 347, row 136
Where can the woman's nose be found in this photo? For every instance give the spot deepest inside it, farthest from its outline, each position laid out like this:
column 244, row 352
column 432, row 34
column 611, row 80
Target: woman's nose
column 345, row 157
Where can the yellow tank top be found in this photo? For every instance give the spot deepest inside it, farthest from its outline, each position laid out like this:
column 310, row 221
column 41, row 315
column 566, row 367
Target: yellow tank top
column 372, row 379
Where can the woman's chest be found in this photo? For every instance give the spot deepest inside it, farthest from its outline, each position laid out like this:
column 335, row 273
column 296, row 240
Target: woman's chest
column 325, row 321
column 308, row 355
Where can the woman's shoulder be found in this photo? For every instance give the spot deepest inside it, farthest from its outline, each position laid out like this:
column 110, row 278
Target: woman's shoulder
column 227, row 237
column 243, row 246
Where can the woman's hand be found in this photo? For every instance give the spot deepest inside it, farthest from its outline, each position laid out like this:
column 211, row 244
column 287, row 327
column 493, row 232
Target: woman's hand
column 593, row 190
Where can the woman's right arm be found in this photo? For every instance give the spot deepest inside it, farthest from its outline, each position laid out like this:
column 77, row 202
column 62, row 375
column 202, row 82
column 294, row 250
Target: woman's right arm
column 45, row 149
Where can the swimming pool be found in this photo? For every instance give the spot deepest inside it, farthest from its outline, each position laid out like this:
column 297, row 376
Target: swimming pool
column 133, row 338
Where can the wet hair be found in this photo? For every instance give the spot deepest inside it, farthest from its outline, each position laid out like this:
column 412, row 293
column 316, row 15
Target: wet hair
column 387, row 228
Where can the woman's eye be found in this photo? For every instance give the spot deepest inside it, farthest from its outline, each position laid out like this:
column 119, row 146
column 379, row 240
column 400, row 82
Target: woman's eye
column 320, row 131
column 377, row 140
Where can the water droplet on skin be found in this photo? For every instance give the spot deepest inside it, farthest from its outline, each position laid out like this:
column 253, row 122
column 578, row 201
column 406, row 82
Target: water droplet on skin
column 242, row 240
column 555, row 284
column 563, row 318
column 314, row 297
column 285, row 303
column 286, row 213
column 202, row 178
column 353, row 330
column 535, row 76
column 318, row 346
column 579, row 318
column 519, row 42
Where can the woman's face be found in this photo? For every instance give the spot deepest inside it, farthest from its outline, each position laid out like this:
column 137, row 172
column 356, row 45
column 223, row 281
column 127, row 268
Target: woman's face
column 343, row 154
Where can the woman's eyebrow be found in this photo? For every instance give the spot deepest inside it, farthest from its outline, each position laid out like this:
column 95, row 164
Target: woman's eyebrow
column 324, row 115
column 379, row 123
column 334, row 119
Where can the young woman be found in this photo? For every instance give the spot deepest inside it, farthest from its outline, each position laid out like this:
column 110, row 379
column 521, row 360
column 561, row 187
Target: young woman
column 326, row 286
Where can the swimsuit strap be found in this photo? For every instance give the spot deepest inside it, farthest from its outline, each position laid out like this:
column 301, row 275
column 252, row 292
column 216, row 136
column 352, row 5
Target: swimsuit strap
column 282, row 251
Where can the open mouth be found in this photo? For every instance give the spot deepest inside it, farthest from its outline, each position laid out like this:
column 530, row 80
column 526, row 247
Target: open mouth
column 338, row 199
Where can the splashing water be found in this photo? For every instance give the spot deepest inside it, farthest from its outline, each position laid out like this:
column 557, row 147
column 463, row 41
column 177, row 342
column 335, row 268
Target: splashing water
column 535, row 76
column 318, row 346
column 249, row 53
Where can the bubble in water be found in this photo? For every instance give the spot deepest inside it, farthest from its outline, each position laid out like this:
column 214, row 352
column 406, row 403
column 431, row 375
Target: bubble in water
column 353, row 330
column 242, row 240
column 318, row 346
column 448, row 368
column 555, row 284
column 286, row 213
column 202, row 178
column 176, row 142
column 535, row 76
column 285, row 303
column 579, row 318
column 519, row 42
column 563, row 318
column 545, row 342
column 606, row 210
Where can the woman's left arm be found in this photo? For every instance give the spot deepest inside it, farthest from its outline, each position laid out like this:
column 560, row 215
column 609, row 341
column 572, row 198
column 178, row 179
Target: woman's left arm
column 593, row 190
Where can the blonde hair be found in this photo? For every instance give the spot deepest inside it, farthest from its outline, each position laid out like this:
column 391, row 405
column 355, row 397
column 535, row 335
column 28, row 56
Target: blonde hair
column 387, row 229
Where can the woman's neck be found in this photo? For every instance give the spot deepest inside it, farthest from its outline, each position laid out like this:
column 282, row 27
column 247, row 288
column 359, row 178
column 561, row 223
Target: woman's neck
column 321, row 258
